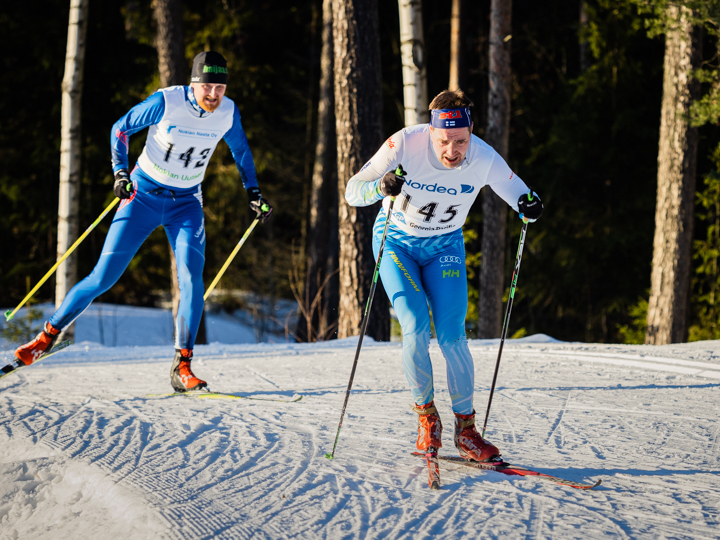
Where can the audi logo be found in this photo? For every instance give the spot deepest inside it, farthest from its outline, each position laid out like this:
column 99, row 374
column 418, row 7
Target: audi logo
column 449, row 259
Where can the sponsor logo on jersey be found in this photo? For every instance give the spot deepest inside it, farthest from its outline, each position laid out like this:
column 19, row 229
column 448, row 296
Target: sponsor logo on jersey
column 170, row 128
column 189, row 132
column 434, row 188
column 390, row 143
column 450, row 259
column 397, row 216
column 183, row 177
column 451, row 273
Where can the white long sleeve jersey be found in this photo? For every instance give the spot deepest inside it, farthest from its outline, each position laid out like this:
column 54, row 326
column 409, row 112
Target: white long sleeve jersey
column 434, row 199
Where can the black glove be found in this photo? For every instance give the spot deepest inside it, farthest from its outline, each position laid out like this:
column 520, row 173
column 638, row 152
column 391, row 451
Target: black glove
column 259, row 205
column 392, row 182
column 530, row 206
column 123, row 187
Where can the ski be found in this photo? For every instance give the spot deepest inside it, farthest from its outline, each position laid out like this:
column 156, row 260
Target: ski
column 204, row 394
column 14, row 367
column 433, row 467
column 512, row 470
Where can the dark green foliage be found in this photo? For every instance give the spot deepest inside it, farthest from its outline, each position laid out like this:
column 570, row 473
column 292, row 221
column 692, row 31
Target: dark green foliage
column 586, row 141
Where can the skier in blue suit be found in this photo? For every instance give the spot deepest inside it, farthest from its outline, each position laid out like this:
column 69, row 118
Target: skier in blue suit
column 185, row 125
column 424, row 259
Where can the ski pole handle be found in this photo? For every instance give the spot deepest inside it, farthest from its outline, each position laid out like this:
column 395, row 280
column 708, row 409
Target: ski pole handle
column 10, row 314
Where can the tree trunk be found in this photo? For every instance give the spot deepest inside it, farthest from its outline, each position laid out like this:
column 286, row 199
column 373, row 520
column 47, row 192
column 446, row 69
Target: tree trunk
column 319, row 318
column 668, row 306
column 412, row 53
column 455, row 45
column 68, row 205
column 494, row 208
column 358, row 114
column 584, row 58
column 170, row 45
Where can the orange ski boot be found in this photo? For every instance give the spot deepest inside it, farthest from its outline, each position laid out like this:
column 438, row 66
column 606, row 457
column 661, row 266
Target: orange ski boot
column 181, row 376
column 469, row 442
column 43, row 343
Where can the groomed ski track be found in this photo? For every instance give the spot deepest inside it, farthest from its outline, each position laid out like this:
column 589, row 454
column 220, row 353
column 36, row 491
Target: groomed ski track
column 85, row 454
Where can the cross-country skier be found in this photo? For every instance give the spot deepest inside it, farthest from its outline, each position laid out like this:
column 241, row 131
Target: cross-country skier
column 186, row 123
column 424, row 258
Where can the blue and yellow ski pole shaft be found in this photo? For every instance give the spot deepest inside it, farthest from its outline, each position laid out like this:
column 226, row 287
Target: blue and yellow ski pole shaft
column 10, row 314
column 366, row 316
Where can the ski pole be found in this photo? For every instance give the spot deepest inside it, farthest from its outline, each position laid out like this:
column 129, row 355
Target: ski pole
column 508, row 310
column 231, row 257
column 9, row 314
column 363, row 326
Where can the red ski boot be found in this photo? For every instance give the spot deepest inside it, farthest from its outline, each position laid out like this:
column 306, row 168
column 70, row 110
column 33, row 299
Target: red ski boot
column 42, row 344
column 469, row 442
column 181, row 376
column 430, row 440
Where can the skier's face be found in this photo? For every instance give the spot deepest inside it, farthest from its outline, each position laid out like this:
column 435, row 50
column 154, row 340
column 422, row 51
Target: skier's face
column 208, row 95
column 450, row 145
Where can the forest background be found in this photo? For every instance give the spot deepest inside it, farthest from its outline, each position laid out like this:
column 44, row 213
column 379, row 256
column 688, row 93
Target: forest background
column 586, row 101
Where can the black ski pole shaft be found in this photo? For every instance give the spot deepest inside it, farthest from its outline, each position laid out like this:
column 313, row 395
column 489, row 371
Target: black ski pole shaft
column 508, row 310
column 363, row 326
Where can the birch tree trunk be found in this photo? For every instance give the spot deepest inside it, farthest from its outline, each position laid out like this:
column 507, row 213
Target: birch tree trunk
column 68, row 204
column 321, row 287
column 412, row 54
column 358, row 113
column 668, row 307
column 497, row 136
column 455, row 45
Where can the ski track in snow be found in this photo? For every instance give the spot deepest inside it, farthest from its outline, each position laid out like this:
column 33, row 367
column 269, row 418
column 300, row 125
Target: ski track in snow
column 88, row 454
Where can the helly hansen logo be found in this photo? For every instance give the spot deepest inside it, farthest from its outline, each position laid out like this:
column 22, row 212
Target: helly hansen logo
column 451, row 273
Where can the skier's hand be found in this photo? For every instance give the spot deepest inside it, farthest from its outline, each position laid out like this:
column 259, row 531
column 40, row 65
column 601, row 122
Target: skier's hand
column 392, row 182
column 259, row 205
column 123, row 187
column 530, row 207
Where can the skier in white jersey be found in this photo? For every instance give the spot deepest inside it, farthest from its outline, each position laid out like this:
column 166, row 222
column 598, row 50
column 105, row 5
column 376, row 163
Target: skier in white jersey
column 185, row 125
column 424, row 259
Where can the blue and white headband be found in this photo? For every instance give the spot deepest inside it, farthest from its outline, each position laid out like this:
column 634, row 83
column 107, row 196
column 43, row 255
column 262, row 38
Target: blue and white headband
column 450, row 118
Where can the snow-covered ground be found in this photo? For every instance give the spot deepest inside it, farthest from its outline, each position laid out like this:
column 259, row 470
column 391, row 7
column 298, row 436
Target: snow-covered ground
column 87, row 454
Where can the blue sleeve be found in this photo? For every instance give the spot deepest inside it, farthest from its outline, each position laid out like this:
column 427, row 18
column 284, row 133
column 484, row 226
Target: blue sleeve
column 240, row 149
column 142, row 115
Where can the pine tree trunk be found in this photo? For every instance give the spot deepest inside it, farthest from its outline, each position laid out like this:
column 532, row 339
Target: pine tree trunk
column 358, row 113
column 321, row 293
column 494, row 208
column 455, row 45
column 668, row 308
column 412, row 53
column 170, row 45
column 68, row 205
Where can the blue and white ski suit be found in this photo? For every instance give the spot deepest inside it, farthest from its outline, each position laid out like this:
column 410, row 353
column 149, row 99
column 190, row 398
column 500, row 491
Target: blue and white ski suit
column 166, row 181
column 424, row 260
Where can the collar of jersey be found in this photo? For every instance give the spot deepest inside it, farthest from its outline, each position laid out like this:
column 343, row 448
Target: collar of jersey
column 196, row 109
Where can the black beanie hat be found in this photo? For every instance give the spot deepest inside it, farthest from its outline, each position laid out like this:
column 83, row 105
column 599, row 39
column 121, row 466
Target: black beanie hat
column 209, row 67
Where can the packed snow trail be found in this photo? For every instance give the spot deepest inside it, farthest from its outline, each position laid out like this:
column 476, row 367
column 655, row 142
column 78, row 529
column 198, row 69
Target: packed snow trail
column 87, row 454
